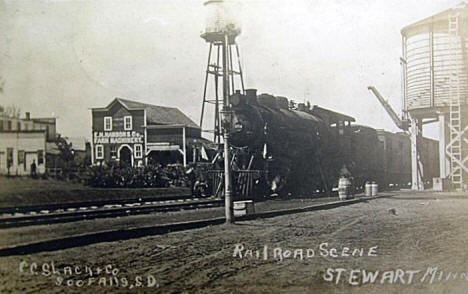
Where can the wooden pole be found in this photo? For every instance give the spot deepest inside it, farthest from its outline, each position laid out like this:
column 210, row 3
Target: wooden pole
column 416, row 166
column 226, row 110
column 442, row 158
column 184, row 148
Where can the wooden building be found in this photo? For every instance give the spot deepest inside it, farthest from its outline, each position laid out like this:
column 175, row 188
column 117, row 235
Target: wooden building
column 136, row 134
column 24, row 141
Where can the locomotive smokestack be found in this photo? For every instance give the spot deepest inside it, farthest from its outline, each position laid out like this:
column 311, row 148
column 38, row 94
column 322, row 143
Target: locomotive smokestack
column 251, row 95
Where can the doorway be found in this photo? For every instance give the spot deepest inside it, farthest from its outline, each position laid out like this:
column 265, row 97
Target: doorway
column 125, row 156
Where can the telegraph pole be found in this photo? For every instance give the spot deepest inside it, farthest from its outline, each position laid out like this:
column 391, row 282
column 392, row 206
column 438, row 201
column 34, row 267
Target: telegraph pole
column 221, row 30
column 227, row 121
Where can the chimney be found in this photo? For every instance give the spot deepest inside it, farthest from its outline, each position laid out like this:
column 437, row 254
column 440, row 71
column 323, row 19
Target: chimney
column 251, row 95
column 28, row 115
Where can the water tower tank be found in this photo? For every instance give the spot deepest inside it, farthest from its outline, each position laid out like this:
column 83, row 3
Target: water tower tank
column 222, row 17
column 433, row 53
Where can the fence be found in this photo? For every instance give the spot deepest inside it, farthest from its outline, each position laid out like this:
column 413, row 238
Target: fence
column 58, row 172
column 243, row 183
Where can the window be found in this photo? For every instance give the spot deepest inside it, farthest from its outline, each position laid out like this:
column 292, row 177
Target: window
column 21, row 158
column 40, row 157
column 127, row 123
column 9, row 125
column 2, row 159
column 18, row 126
column 107, row 123
column 113, row 152
column 1, row 125
column 138, row 151
column 99, row 152
column 9, row 157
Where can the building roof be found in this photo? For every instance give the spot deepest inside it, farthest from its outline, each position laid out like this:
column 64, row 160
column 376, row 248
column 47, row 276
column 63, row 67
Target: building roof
column 331, row 116
column 155, row 114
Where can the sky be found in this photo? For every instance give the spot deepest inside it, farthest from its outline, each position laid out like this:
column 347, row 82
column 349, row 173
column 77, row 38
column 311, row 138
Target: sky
column 61, row 57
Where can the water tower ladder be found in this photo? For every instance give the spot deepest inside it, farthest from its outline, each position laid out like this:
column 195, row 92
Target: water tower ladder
column 454, row 147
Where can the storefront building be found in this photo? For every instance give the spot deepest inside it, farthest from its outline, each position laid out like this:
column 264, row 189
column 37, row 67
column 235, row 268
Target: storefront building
column 136, row 134
column 24, row 141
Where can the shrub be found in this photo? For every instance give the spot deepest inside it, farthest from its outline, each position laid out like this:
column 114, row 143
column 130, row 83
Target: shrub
column 115, row 175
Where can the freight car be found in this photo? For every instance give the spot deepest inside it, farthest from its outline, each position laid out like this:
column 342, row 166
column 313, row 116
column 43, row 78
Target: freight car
column 304, row 149
column 396, row 160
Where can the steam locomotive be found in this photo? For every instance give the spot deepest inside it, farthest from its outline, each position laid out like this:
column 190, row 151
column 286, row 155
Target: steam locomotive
column 303, row 149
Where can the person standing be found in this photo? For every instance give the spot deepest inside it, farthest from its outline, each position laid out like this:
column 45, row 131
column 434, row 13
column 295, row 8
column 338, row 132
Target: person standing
column 33, row 169
column 192, row 178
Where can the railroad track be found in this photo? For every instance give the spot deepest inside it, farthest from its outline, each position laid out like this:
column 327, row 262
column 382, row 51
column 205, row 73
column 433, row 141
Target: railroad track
column 77, row 211
column 99, row 203
column 118, row 234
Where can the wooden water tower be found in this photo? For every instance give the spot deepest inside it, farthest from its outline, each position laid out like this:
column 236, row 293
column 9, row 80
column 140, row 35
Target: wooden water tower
column 435, row 89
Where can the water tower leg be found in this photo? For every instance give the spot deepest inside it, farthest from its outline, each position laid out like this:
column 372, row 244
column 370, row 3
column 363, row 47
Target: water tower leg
column 416, row 164
column 443, row 161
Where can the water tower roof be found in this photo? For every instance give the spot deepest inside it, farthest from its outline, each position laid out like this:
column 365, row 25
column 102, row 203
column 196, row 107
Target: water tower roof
column 430, row 23
column 212, row 1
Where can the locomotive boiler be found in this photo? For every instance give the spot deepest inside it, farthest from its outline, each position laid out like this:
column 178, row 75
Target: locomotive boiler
column 291, row 143
column 303, row 150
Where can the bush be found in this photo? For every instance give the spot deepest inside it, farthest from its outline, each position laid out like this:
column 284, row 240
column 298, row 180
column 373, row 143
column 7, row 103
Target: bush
column 142, row 177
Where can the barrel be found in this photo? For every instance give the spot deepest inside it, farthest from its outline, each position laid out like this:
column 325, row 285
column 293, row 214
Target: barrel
column 374, row 189
column 368, row 189
column 243, row 207
column 344, row 188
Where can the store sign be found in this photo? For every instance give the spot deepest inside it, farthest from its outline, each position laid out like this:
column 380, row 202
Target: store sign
column 129, row 137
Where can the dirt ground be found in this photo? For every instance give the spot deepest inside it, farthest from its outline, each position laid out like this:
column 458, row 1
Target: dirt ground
column 410, row 235
column 23, row 191
column 32, row 234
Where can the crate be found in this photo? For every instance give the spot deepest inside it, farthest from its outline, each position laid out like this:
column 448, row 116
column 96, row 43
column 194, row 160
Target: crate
column 245, row 207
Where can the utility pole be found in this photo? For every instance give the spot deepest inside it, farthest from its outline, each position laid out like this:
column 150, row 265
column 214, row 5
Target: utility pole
column 227, row 122
column 221, row 30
